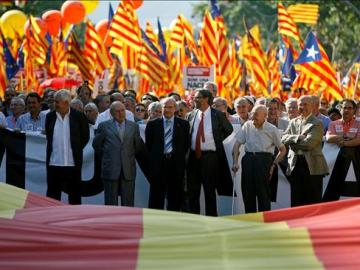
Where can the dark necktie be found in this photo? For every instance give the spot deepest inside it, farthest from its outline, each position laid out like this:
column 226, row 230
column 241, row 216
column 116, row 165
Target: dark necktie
column 199, row 135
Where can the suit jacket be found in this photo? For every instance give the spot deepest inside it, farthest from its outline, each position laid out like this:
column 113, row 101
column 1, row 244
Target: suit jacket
column 154, row 138
column 79, row 134
column 310, row 147
column 117, row 155
column 221, row 128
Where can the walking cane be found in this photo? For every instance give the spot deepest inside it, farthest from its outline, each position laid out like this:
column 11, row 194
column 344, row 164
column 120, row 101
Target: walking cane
column 233, row 193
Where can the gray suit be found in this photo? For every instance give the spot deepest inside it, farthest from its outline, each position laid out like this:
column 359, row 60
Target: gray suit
column 118, row 162
column 306, row 162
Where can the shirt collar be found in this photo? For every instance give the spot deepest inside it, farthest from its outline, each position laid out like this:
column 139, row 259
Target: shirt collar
column 171, row 119
column 66, row 115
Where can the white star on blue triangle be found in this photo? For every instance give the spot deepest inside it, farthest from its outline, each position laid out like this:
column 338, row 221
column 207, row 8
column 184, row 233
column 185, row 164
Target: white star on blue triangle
column 311, row 51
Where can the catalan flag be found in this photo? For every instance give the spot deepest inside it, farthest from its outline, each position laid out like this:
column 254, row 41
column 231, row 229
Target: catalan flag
column 36, row 231
column 256, row 59
column 314, row 61
column 177, row 35
column 208, row 40
column 149, row 31
column 304, row 13
column 75, row 56
column 286, row 25
column 125, row 26
column 274, row 72
column 150, row 65
column 95, row 51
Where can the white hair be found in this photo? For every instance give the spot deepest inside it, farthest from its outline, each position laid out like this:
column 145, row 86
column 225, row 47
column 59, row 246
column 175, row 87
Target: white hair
column 154, row 106
column 77, row 101
column 91, row 106
column 260, row 107
column 63, row 95
column 18, row 100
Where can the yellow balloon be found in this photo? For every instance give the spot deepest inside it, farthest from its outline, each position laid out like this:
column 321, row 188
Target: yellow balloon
column 13, row 20
column 90, row 5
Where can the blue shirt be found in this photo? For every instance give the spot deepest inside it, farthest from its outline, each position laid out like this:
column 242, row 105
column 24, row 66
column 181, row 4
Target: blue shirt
column 27, row 123
column 325, row 120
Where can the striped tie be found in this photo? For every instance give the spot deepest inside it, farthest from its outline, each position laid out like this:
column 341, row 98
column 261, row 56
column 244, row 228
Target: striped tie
column 168, row 138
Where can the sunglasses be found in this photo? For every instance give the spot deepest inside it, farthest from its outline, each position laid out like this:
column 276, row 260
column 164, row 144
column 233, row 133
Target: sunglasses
column 140, row 110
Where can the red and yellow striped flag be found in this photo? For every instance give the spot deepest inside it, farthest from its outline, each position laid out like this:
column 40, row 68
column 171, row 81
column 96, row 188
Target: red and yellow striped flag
column 150, row 65
column 177, row 35
column 256, row 60
column 208, row 40
column 75, row 56
column 223, row 52
column 319, row 236
column 39, row 44
column 150, row 33
column 286, row 25
column 125, row 26
column 274, row 73
column 304, row 13
column 95, row 51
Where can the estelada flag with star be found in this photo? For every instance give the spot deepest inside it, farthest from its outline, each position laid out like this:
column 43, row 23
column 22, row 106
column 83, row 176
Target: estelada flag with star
column 314, row 62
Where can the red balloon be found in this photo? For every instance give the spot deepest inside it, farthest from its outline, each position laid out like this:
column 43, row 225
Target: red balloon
column 52, row 19
column 41, row 25
column 73, row 12
column 102, row 29
column 136, row 3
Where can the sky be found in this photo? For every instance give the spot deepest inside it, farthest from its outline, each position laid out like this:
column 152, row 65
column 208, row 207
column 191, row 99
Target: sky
column 149, row 11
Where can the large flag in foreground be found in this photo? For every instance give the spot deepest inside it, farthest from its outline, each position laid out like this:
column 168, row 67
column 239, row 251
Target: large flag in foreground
column 40, row 233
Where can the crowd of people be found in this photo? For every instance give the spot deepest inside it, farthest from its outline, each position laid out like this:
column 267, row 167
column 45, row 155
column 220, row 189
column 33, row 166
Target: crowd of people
column 184, row 143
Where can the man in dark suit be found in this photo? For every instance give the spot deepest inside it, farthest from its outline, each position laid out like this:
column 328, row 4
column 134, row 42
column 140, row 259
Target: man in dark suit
column 117, row 141
column 67, row 133
column 168, row 141
column 207, row 161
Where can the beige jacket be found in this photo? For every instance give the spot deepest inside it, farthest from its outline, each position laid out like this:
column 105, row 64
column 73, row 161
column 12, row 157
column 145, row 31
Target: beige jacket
column 310, row 147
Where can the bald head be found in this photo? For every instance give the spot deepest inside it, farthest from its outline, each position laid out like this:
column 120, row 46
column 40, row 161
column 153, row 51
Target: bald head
column 259, row 115
column 117, row 110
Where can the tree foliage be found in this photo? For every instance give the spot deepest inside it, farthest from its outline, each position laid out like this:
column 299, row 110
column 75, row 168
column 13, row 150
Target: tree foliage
column 34, row 7
column 338, row 25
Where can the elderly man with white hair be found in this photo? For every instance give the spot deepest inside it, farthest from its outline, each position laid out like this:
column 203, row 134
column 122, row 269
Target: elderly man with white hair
column 260, row 139
column 67, row 133
column 292, row 108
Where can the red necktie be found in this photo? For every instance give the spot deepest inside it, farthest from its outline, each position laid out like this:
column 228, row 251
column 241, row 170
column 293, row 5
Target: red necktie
column 199, row 135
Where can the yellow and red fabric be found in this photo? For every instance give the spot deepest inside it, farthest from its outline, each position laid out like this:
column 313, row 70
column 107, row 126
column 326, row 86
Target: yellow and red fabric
column 37, row 232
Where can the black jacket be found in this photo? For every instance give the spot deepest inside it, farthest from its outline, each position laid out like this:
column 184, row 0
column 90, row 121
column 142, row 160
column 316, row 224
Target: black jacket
column 79, row 134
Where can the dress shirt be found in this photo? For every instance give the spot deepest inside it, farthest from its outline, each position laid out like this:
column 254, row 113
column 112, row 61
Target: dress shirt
column 325, row 120
column 11, row 121
column 121, row 129
column 209, row 144
column 263, row 139
column 27, row 123
column 62, row 154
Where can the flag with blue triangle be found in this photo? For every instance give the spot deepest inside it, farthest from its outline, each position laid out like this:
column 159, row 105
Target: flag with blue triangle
column 311, row 51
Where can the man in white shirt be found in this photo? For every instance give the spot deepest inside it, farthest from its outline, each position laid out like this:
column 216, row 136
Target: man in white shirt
column 207, row 164
column 260, row 139
column 67, row 133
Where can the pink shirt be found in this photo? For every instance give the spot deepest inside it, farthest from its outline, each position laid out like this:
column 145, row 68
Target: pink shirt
column 350, row 129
